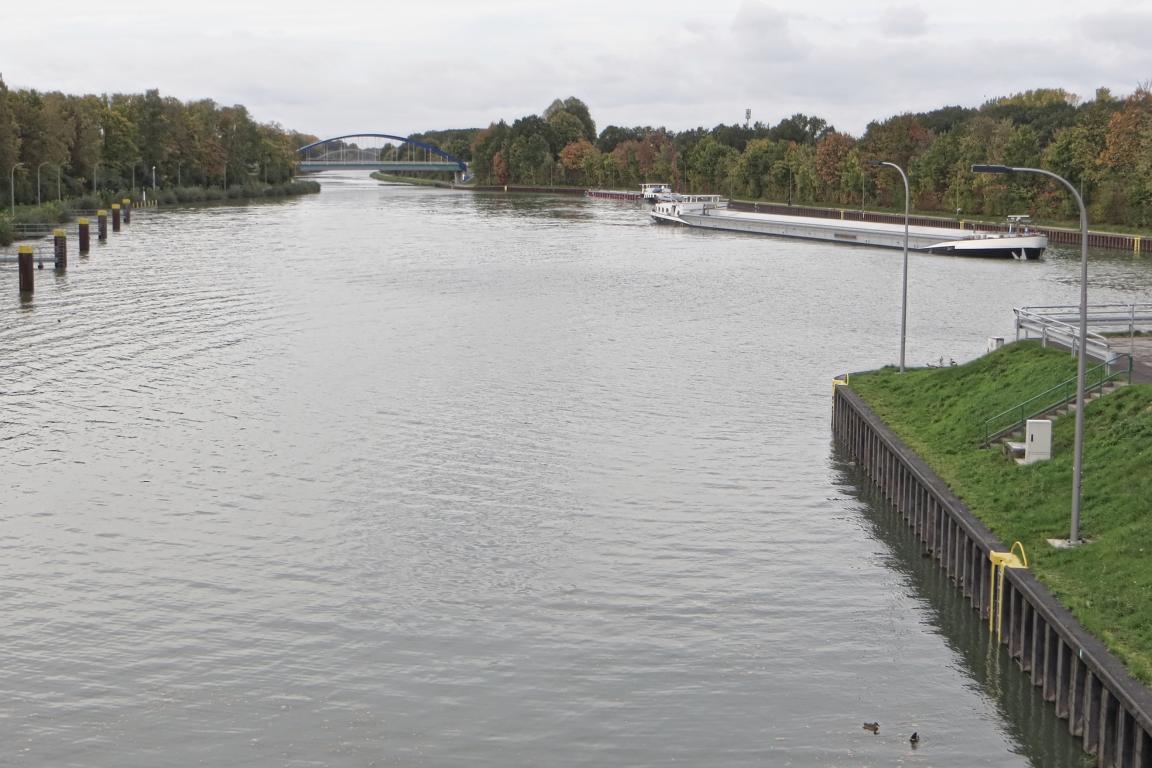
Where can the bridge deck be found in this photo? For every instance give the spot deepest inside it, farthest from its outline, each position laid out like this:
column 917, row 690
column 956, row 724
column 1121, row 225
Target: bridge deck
column 380, row 165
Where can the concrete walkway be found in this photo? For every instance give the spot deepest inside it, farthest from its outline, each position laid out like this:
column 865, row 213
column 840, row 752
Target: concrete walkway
column 1141, row 350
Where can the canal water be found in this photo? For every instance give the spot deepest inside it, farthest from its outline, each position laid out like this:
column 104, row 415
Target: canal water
column 403, row 476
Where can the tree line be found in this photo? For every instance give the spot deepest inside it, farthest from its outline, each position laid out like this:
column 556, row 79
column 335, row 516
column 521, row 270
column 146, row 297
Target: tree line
column 1102, row 145
column 122, row 141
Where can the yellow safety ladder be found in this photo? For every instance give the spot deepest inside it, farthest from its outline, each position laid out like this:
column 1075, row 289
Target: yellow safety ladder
column 1000, row 561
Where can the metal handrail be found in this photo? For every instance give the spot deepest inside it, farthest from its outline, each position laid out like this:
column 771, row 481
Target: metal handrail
column 40, row 251
column 1067, row 390
column 1050, row 327
column 1072, row 311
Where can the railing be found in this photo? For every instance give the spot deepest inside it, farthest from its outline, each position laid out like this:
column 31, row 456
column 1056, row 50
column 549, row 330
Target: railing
column 42, row 252
column 34, row 229
column 1094, row 380
column 1129, row 316
column 1062, row 325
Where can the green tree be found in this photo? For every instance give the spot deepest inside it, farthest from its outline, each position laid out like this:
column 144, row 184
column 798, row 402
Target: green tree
column 711, row 166
column 576, row 108
column 754, row 169
column 801, row 128
column 9, row 135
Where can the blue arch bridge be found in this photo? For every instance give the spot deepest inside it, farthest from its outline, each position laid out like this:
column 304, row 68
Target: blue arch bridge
column 378, row 152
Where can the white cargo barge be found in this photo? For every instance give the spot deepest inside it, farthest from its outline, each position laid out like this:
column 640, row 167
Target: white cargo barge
column 711, row 212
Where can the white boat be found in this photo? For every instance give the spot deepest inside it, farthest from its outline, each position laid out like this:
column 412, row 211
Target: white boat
column 650, row 193
column 1018, row 242
column 711, row 212
column 671, row 207
column 653, row 191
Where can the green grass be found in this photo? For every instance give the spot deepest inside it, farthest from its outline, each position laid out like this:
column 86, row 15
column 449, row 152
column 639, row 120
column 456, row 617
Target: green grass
column 1106, row 584
column 414, row 180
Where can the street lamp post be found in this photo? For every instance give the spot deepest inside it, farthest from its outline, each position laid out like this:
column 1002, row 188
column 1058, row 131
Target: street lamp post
column 904, row 278
column 1081, row 343
column 12, row 186
column 153, row 178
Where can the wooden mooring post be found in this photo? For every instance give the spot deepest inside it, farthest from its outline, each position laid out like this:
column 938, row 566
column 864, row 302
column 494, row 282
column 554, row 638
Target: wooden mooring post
column 60, row 249
column 24, row 259
column 115, row 217
column 126, row 205
column 83, row 234
column 102, row 225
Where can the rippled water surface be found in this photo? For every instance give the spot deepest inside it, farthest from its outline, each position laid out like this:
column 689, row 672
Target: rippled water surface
column 402, row 476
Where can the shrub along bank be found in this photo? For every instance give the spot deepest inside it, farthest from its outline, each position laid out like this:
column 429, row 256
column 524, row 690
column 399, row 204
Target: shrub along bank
column 64, row 211
column 1107, row 583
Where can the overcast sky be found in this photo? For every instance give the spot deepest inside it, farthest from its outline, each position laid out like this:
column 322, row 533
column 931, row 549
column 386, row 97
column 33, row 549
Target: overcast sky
column 398, row 68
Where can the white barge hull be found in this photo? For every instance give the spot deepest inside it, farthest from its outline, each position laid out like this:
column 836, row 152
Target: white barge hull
column 875, row 234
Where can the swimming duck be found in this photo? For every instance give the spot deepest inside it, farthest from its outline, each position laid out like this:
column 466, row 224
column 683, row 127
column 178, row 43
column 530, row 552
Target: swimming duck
column 915, row 739
column 874, row 727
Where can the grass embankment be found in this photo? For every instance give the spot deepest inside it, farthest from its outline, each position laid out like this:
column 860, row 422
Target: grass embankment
column 1107, row 583
column 418, row 181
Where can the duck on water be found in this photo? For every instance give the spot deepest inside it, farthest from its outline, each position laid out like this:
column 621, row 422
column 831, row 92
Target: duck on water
column 711, row 212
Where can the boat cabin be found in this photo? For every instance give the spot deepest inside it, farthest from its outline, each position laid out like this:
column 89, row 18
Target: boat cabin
column 1018, row 224
column 651, row 191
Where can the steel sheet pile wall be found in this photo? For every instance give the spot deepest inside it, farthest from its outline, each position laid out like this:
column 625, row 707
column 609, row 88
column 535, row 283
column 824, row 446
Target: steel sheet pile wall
column 1103, row 704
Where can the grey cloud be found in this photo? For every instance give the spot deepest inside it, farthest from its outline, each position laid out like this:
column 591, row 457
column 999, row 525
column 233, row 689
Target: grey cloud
column 904, row 21
column 761, row 33
column 1128, row 28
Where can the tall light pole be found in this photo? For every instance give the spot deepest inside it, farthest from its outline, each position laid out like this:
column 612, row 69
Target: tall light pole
column 153, row 178
column 12, row 187
column 1078, row 443
column 904, row 279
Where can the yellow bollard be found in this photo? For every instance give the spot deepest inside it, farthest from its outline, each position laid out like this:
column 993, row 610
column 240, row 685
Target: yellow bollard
column 1136, row 243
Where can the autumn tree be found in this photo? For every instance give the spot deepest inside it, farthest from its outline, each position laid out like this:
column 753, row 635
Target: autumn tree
column 832, row 153
column 575, row 158
column 1127, row 156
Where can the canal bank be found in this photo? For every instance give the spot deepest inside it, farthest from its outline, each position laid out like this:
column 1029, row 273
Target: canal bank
column 1102, row 703
column 31, row 222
